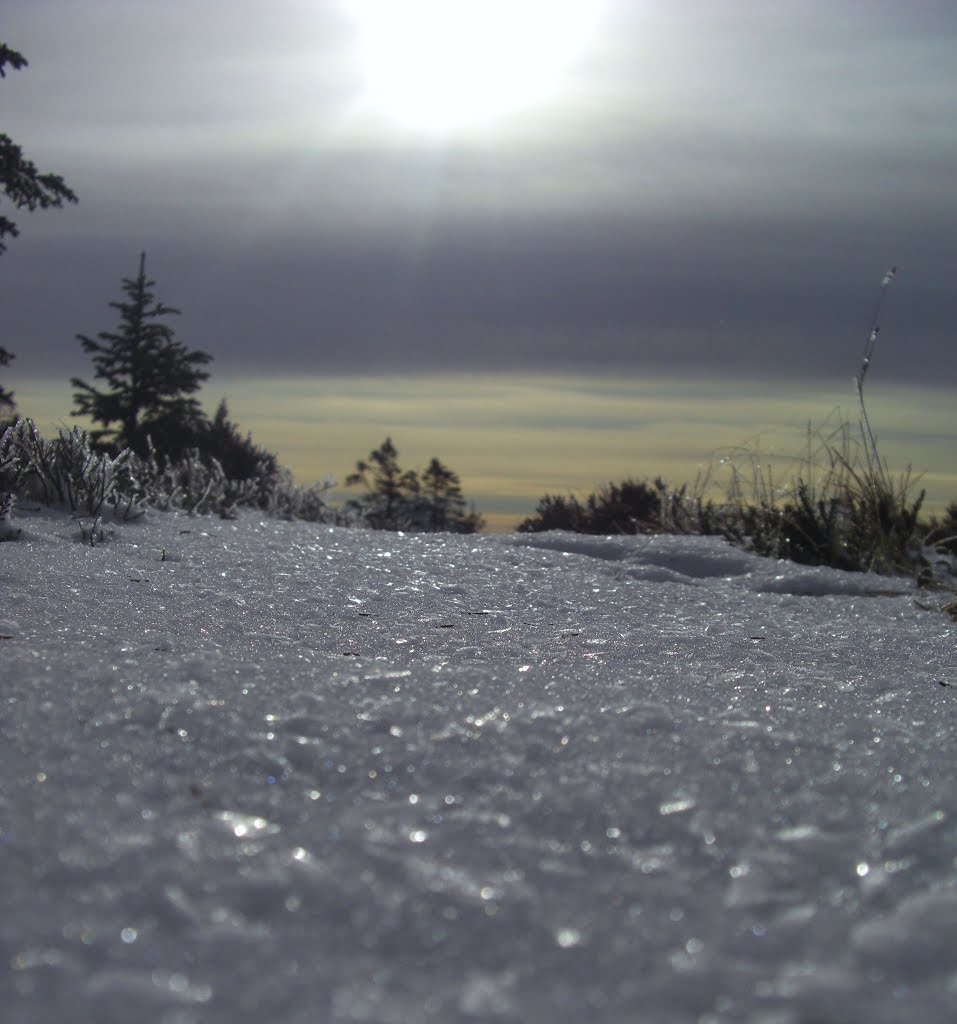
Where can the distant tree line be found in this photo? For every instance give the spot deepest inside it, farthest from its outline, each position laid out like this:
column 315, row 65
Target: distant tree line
column 402, row 499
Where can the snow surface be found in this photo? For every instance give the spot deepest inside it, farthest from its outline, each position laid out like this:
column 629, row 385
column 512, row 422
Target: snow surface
column 280, row 772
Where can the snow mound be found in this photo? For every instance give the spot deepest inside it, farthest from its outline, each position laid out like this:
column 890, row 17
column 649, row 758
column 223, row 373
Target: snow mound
column 694, row 557
column 677, row 559
column 258, row 771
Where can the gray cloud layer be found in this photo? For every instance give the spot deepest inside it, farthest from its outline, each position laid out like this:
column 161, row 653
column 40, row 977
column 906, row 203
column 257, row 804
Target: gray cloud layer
column 720, row 192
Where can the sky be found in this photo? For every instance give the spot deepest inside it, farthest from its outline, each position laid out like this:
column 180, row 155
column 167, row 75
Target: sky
column 551, row 251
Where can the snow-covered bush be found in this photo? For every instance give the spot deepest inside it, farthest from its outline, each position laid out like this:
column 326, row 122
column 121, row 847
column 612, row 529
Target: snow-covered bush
column 288, row 500
column 198, row 483
column 8, row 475
column 68, row 471
column 189, row 483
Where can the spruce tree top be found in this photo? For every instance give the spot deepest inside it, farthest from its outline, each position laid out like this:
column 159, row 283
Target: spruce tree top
column 148, row 372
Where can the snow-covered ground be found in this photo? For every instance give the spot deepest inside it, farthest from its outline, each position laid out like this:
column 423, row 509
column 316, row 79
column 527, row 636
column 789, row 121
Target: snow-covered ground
column 279, row 772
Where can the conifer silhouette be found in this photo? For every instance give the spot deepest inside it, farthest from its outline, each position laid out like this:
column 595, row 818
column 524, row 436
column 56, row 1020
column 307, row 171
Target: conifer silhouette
column 150, row 376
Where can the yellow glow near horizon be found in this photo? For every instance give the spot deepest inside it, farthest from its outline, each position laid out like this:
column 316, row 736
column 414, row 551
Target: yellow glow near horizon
column 513, row 439
column 436, row 66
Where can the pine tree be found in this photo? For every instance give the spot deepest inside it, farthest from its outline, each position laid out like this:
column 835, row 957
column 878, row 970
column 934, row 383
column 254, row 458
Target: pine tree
column 446, row 506
column 23, row 184
column 240, row 457
column 400, row 499
column 385, row 505
column 150, row 376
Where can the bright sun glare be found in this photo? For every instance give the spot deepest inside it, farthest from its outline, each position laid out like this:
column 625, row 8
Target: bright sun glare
column 440, row 65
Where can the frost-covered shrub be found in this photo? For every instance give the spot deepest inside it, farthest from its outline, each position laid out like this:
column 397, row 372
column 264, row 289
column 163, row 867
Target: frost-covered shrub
column 9, row 475
column 189, row 483
column 8, row 485
column 93, row 533
column 67, row 471
column 839, row 506
column 7, row 530
column 288, row 500
column 198, row 483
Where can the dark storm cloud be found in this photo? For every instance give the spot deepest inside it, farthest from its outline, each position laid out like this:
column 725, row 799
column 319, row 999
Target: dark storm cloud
column 720, row 195
column 750, row 300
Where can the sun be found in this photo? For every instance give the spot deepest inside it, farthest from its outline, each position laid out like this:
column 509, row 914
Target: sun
column 442, row 65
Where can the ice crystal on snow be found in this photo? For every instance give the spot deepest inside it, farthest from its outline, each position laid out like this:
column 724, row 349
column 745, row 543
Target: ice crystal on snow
column 603, row 779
